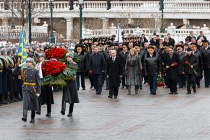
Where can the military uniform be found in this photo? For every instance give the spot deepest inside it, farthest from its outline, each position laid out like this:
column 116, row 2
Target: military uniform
column 70, row 94
column 31, row 88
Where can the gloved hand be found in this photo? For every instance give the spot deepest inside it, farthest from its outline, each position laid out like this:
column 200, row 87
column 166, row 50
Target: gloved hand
column 37, row 95
column 22, row 64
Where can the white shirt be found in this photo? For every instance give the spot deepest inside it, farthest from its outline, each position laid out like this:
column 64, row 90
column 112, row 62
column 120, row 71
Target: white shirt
column 150, row 55
column 113, row 58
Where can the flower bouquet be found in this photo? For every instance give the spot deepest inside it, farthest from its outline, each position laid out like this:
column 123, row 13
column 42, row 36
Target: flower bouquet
column 186, row 62
column 160, row 80
column 55, row 68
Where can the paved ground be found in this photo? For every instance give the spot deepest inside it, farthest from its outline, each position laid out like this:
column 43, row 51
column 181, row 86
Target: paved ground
column 130, row 117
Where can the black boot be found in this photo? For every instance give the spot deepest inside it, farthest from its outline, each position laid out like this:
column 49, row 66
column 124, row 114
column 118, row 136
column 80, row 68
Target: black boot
column 14, row 97
column 24, row 115
column 48, row 110
column 39, row 109
column 1, row 99
column 71, row 107
column 63, row 107
column 32, row 117
column 4, row 97
column 11, row 96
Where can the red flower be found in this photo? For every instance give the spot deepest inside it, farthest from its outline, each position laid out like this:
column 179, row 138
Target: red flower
column 185, row 62
column 52, row 67
column 91, row 71
column 175, row 63
column 142, row 67
column 128, row 75
column 55, row 53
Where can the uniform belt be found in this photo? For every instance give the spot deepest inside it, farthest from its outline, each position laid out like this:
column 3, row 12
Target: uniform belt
column 32, row 84
column 0, row 70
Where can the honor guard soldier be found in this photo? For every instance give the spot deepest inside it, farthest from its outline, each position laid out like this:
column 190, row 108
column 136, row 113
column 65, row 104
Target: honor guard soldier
column 46, row 96
column 70, row 94
column 6, row 70
column 31, row 88
column 36, row 52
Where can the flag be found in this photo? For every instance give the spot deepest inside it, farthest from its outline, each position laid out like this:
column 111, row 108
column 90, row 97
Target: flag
column 22, row 47
column 118, row 38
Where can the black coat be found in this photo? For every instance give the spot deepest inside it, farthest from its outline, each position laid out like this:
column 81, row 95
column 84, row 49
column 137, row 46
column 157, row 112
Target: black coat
column 97, row 63
column 46, row 96
column 192, row 60
column 204, row 37
column 123, row 56
column 173, row 71
column 82, row 63
column 190, row 37
column 198, row 54
column 171, row 41
column 206, row 57
column 89, row 53
column 114, row 70
column 155, row 42
column 152, row 65
column 181, row 57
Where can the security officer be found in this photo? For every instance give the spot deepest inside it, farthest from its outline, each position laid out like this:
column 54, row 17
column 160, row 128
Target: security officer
column 31, row 88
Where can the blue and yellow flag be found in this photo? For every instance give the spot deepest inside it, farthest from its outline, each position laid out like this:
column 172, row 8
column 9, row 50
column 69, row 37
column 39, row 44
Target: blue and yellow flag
column 22, row 47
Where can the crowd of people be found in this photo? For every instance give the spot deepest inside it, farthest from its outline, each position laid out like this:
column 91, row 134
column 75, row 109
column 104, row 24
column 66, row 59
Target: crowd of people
column 134, row 62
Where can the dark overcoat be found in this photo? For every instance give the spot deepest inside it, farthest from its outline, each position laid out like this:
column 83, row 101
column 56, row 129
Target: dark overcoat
column 70, row 93
column 114, row 70
column 97, row 63
column 192, row 60
column 173, row 71
column 30, row 88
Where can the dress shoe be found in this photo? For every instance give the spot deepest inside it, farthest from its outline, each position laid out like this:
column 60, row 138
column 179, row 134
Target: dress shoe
column 151, row 92
column 199, row 86
column 154, row 93
column 106, row 88
column 38, row 113
column 115, row 97
column 70, row 114
column 11, row 101
column 62, row 112
column 77, row 89
column 48, row 114
column 83, row 88
column 171, row 93
column 206, row 86
column 24, row 119
column 32, row 120
column 175, row 92
column 110, row 96
column 188, row 92
column 98, row 93
column 194, row 90
column 140, row 87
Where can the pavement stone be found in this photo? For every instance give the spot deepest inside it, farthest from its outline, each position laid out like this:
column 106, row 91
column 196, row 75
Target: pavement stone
column 130, row 117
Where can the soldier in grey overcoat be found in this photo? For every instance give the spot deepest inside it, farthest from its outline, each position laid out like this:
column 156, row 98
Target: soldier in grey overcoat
column 133, row 69
column 70, row 94
column 31, row 87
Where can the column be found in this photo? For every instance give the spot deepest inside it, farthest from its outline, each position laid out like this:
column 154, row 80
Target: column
column 105, row 24
column 69, row 28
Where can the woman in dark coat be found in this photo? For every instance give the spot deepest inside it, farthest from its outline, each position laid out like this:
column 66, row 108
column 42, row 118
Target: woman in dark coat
column 70, row 94
column 133, row 69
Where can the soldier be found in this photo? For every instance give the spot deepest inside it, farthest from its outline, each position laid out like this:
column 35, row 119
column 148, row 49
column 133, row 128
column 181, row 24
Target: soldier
column 190, row 62
column 6, row 70
column 1, row 89
column 70, row 94
column 181, row 77
column 31, row 88
column 82, row 66
column 205, row 52
column 198, row 67
column 36, row 52
column 46, row 96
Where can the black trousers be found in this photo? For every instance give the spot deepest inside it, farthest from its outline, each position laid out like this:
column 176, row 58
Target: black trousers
column 71, row 107
column 190, row 80
column 91, row 79
column 173, row 85
column 97, row 82
column 113, row 91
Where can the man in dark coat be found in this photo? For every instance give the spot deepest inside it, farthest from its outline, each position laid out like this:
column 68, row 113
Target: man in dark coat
column 90, row 75
column 152, row 66
column 97, row 68
column 171, row 40
column 114, row 70
column 123, row 55
column 181, row 77
column 172, row 69
column 190, row 62
column 82, row 65
column 201, row 35
column 191, row 36
column 205, row 51
column 198, row 67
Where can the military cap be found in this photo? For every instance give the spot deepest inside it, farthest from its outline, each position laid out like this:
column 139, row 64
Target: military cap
column 152, row 44
column 46, row 48
column 3, row 50
column 42, row 55
column 30, row 59
column 205, row 42
column 179, row 46
column 111, row 46
column 136, row 46
column 151, row 48
column 125, row 45
column 35, row 47
column 193, row 44
column 9, row 50
column 189, row 49
column 70, row 54
column 100, row 44
column 14, row 49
